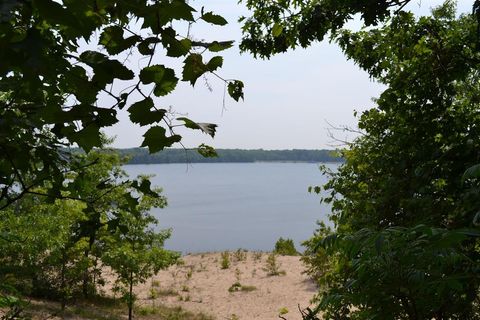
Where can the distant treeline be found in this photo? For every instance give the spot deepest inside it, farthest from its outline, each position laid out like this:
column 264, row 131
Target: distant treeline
column 141, row 156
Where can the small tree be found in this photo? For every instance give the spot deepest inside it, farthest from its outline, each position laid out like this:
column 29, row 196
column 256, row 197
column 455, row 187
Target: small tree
column 64, row 260
column 272, row 267
column 406, row 242
column 52, row 265
column 315, row 258
column 135, row 251
column 285, row 247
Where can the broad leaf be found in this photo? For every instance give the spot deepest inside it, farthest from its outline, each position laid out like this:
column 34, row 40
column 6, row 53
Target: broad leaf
column 193, row 68
column 157, row 140
column 164, row 79
column 105, row 70
column 216, row 46
column 214, row 19
column 472, row 173
column 146, row 46
column 277, row 29
column 112, row 39
column 176, row 10
column 215, row 63
column 175, row 47
column 235, row 90
column 55, row 13
column 208, row 128
column 141, row 112
column 87, row 138
column 145, row 187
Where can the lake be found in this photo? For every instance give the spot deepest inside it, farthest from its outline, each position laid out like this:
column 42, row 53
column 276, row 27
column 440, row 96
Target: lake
column 226, row 206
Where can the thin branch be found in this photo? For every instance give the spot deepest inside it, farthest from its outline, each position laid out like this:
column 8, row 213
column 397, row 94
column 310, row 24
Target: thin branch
column 401, row 6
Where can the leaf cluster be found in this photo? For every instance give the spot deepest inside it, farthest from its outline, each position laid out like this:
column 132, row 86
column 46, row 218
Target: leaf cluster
column 276, row 26
column 59, row 249
column 406, row 243
column 56, row 94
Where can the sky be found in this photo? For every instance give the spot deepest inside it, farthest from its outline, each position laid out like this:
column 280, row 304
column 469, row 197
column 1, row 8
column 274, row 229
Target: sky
column 292, row 101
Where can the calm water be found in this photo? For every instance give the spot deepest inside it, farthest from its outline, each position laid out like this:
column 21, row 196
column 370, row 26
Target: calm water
column 227, row 206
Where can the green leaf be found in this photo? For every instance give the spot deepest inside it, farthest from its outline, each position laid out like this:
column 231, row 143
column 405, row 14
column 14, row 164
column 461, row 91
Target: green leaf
column 472, row 173
column 157, row 140
column 145, row 187
column 235, row 90
column 161, row 13
column 123, row 100
column 104, row 117
column 193, row 68
column 176, row 10
column 93, row 58
column 112, row 39
column 87, row 138
column 76, row 80
column 54, row 13
column 207, row 151
column 216, row 46
column 469, row 232
column 141, row 112
column 164, row 79
column 105, row 70
column 153, row 74
column 145, row 48
column 175, row 48
column 215, row 63
column 214, row 19
column 131, row 202
column 208, row 128
column 179, row 48
column 277, row 29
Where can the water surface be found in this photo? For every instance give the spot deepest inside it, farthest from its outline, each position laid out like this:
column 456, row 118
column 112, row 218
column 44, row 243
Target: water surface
column 225, row 206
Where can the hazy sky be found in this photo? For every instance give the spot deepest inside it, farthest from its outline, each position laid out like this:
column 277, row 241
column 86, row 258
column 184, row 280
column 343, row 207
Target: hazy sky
column 289, row 100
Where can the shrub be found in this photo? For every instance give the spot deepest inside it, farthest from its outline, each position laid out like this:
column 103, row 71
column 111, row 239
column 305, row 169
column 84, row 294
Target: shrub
column 272, row 267
column 225, row 263
column 237, row 286
column 283, row 311
column 315, row 257
column 285, row 247
column 240, row 255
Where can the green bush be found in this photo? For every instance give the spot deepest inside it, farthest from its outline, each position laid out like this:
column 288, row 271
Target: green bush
column 225, row 263
column 272, row 267
column 285, row 247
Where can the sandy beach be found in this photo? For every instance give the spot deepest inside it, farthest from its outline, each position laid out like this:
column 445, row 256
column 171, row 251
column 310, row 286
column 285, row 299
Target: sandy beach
column 200, row 284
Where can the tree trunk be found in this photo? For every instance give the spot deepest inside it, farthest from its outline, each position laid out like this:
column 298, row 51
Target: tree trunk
column 130, row 297
column 85, row 279
column 62, row 283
